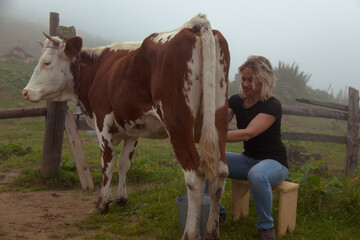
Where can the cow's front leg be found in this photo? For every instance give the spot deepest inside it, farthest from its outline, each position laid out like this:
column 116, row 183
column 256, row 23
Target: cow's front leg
column 216, row 189
column 107, row 165
column 123, row 165
column 195, row 190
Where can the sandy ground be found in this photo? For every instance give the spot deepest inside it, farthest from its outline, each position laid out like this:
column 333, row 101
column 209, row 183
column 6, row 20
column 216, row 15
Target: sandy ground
column 43, row 214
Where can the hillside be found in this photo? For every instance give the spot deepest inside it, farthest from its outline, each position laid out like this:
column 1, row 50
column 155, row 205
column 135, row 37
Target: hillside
column 15, row 32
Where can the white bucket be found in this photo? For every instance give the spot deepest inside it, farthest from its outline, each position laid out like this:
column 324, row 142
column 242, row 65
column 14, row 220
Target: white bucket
column 182, row 204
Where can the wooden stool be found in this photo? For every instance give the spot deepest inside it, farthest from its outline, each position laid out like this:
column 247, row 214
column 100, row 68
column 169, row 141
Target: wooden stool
column 287, row 191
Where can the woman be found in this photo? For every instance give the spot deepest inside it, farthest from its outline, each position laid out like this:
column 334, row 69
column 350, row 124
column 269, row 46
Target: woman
column 258, row 116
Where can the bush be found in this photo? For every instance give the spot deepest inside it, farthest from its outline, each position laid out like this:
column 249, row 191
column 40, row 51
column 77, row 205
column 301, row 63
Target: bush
column 8, row 149
column 335, row 196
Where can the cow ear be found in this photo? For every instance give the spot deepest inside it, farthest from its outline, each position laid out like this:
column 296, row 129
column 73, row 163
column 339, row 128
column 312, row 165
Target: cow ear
column 73, row 46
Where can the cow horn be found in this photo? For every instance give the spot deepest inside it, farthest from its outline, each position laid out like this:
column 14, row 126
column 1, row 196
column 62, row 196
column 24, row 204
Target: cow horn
column 41, row 43
column 54, row 41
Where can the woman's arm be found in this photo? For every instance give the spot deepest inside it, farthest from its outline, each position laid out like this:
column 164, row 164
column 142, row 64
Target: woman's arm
column 258, row 125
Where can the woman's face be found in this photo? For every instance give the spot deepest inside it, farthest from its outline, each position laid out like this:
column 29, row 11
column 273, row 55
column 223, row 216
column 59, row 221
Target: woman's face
column 247, row 83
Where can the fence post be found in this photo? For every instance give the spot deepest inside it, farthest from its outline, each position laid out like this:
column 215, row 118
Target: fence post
column 54, row 123
column 352, row 143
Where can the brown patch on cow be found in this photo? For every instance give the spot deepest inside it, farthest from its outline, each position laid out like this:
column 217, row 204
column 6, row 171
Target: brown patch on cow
column 196, row 29
column 220, row 118
column 186, row 237
column 73, row 46
column 222, row 82
column 95, row 82
column 140, row 126
column 132, row 152
column 218, row 193
column 190, row 187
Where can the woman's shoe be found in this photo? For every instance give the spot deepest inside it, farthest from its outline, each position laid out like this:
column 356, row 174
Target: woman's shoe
column 268, row 234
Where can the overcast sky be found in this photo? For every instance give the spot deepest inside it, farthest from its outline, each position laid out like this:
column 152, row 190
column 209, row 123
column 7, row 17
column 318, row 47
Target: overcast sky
column 321, row 36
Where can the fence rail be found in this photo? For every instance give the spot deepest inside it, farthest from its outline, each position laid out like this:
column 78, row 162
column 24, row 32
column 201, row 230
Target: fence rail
column 22, row 112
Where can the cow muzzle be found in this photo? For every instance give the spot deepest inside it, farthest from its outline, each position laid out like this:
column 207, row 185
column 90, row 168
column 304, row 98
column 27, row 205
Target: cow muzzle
column 25, row 94
column 28, row 96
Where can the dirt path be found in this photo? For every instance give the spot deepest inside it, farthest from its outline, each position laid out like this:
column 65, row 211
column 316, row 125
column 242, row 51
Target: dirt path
column 44, row 214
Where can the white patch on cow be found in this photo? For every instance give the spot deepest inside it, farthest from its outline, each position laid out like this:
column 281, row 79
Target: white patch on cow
column 148, row 125
column 160, row 107
column 195, row 196
column 108, row 122
column 223, row 169
column 130, row 46
column 221, row 85
column 192, row 84
column 51, row 79
column 164, row 37
column 123, row 165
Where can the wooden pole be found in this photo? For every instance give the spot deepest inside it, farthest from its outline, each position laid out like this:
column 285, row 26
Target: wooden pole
column 78, row 152
column 54, row 124
column 352, row 144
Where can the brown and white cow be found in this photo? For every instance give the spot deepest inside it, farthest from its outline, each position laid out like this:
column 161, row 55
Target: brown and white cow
column 173, row 84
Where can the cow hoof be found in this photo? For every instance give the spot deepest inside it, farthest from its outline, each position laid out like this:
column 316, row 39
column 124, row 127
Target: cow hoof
column 121, row 202
column 187, row 236
column 212, row 236
column 103, row 208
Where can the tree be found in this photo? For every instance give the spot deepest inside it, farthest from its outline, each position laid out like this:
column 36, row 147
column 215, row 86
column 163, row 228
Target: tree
column 291, row 83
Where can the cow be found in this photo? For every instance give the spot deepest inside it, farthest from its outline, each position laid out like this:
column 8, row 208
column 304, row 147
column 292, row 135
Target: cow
column 173, row 84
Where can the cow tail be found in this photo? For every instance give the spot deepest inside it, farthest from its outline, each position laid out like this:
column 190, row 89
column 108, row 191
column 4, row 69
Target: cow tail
column 208, row 143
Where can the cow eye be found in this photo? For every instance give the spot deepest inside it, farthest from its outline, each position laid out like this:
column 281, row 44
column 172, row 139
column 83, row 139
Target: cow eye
column 47, row 63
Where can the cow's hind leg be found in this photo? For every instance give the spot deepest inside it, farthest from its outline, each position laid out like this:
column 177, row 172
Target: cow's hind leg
column 188, row 157
column 195, row 190
column 123, row 165
column 216, row 189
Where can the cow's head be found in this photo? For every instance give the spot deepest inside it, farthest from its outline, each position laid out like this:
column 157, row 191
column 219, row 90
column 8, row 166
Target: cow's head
column 52, row 78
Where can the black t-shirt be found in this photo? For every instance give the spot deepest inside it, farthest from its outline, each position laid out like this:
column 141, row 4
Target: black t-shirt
column 268, row 144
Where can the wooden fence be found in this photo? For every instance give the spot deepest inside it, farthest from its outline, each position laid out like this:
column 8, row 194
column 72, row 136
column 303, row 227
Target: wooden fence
column 348, row 113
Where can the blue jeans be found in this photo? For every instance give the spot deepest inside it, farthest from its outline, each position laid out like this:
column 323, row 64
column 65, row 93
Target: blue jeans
column 261, row 175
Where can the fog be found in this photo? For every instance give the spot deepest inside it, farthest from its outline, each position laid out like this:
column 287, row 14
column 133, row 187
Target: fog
column 321, row 36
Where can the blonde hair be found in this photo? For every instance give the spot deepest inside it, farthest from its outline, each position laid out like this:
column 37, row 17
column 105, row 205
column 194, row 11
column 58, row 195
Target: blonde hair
column 262, row 71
